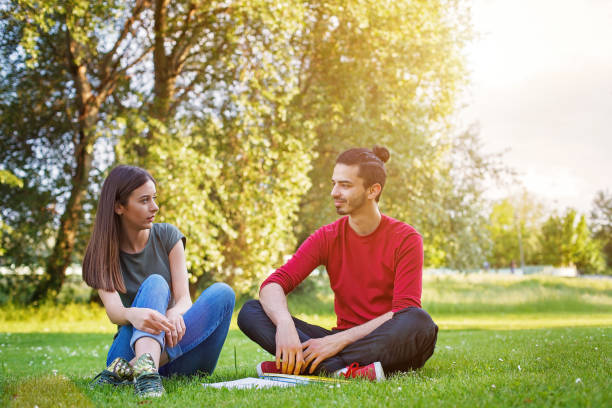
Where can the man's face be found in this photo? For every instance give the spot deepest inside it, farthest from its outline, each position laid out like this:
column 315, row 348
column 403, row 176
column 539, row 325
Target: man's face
column 348, row 189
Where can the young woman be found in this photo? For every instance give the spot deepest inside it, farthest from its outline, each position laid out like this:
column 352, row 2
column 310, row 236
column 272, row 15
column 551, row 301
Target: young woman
column 138, row 268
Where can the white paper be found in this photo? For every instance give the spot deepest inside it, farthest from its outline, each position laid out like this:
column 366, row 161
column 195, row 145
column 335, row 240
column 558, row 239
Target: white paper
column 249, row 382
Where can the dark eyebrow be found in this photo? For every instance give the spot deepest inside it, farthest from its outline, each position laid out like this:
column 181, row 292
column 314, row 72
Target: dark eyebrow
column 342, row 181
column 147, row 195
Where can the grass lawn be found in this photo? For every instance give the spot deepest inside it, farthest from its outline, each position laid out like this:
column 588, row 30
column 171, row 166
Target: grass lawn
column 504, row 341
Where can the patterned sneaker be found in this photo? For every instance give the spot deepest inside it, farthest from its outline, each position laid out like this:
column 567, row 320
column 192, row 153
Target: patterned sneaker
column 119, row 372
column 372, row 372
column 147, row 382
column 267, row 367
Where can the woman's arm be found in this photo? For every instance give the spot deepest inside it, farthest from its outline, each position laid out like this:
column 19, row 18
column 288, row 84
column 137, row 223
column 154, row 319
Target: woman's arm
column 180, row 293
column 180, row 284
column 147, row 320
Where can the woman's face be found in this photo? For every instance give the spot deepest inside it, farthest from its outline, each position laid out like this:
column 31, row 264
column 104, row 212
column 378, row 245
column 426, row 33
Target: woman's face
column 140, row 209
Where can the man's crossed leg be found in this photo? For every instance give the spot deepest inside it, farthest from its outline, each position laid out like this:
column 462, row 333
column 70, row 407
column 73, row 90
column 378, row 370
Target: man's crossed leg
column 404, row 342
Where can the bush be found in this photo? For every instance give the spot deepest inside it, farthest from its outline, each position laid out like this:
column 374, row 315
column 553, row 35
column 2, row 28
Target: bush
column 18, row 289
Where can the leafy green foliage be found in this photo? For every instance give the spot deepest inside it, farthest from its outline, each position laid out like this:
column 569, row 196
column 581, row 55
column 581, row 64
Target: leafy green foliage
column 566, row 240
column 60, row 80
column 34, row 140
column 601, row 224
column 389, row 73
column 506, row 218
column 230, row 164
column 7, row 178
column 239, row 110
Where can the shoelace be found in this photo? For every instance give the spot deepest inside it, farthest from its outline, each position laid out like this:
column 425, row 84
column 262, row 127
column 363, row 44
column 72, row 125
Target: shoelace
column 107, row 377
column 149, row 383
column 352, row 370
column 122, row 368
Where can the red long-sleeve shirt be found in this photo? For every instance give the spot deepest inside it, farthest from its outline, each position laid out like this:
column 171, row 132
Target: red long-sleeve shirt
column 370, row 275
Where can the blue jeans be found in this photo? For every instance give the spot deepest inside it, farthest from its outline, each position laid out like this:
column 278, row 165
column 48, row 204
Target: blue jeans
column 207, row 323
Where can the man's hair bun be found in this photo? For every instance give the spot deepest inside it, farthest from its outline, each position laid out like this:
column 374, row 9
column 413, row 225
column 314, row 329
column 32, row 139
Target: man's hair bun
column 382, row 153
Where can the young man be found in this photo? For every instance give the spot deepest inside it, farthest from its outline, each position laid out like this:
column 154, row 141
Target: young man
column 374, row 264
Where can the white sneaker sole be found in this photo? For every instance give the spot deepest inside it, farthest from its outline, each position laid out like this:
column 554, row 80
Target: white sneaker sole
column 380, row 374
column 260, row 373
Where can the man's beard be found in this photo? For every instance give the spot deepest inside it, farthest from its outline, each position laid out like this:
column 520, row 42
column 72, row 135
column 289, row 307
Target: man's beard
column 352, row 206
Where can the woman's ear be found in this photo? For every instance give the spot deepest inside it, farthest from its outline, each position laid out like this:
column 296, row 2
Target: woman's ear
column 119, row 208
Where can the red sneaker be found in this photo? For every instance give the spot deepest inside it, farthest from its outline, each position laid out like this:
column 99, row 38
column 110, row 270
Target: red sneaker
column 372, row 372
column 267, row 367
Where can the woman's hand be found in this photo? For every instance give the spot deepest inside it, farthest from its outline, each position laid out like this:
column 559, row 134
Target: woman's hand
column 149, row 320
column 175, row 335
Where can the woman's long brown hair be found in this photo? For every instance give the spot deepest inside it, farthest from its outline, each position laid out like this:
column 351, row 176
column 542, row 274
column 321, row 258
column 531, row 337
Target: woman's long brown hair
column 101, row 269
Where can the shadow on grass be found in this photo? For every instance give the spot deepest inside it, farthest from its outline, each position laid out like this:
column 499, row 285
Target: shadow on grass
column 46, row 391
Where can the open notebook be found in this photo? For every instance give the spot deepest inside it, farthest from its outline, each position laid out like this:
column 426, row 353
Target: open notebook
column 275, row 380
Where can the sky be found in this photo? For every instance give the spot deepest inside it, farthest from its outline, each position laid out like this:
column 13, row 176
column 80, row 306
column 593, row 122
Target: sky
column 541, row 90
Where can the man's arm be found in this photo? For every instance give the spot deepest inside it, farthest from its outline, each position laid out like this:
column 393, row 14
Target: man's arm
column 317, row 350
column 288, row 345
column 309, row 255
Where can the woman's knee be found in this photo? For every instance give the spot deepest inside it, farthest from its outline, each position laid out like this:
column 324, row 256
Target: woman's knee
column 155, row 282
column 223, row 294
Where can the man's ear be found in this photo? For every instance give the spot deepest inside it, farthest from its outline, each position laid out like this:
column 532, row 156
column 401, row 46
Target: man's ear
column 374, row 191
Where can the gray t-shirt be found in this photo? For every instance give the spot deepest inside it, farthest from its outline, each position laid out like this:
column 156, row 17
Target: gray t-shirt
column 153, row 259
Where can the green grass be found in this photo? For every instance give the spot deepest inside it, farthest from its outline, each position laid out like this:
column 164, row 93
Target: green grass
column 504, row 341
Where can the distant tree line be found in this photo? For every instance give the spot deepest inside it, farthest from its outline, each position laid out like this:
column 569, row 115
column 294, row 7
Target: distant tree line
column 564, row 238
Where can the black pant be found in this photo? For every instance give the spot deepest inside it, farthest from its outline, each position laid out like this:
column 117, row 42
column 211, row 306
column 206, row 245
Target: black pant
column 403, row 343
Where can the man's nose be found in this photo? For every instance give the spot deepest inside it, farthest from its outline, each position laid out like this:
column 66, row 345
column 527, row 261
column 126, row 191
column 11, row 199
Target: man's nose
column 334, row 192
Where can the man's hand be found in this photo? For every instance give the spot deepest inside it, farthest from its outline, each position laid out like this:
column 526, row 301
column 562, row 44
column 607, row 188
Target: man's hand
column 175, row 335
column 317, row 350
column 288, row 349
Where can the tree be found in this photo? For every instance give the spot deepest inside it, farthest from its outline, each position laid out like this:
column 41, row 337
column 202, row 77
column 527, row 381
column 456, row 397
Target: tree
column 7, row 178
column 72, row 35
column 566, row 241
column 35, row 137
column 514, row 222
column 215, row 113
column 227, row 104
column 601, row 223
column 231, row 165
column 389, row 73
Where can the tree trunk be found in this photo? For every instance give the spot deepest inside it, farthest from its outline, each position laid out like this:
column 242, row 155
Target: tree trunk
column 59, row 260
column 164, row 86
column 88, row 108
column 88, row 102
